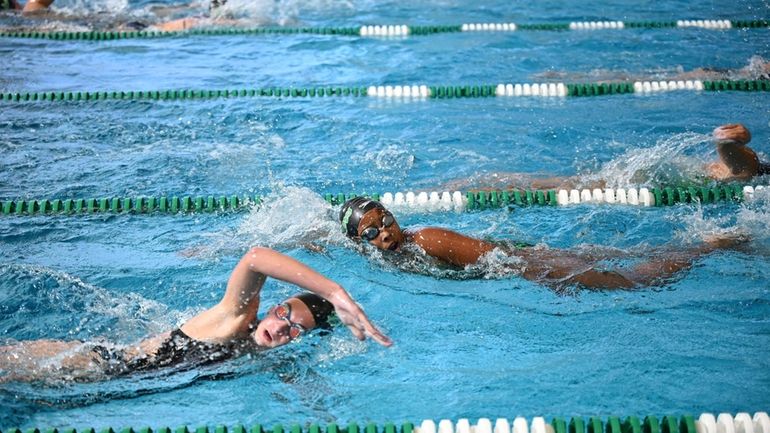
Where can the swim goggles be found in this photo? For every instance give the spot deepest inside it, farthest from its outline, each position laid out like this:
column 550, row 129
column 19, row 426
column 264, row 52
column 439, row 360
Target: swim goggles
column 370, row 233
column 283, row 312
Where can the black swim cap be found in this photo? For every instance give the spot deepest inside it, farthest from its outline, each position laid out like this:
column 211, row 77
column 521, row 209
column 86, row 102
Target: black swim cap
column 319, row 307
column 352, row 211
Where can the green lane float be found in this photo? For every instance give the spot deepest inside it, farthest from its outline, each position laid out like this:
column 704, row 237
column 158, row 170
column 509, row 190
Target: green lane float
column 421, row 201
column 706, row 423
column 390, row 30
column 560, row 90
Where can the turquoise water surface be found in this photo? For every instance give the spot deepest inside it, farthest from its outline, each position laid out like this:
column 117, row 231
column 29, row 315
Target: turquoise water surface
column 495, row 345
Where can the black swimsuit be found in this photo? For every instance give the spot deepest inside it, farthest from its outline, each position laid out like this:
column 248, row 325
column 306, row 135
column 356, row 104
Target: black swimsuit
column 178, row 349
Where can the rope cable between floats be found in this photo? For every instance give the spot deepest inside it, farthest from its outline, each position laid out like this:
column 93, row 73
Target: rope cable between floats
column 400, row 30
column 422, row 201
column 407, row 91
column 742, row 422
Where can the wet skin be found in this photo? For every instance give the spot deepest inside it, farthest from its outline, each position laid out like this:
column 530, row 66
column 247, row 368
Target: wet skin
column 273, row 332
column 737, row 161
column 554, row 267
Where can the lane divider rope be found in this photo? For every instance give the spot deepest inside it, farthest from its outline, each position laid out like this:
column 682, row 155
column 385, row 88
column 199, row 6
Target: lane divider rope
column 397, row 30
column 706, row 423
column 406, row 91
column 422, row 201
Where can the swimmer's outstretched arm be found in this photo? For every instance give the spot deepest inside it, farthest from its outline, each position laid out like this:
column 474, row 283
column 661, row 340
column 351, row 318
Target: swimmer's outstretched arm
column 242, row 294
column 451, row 247
column 558, row 267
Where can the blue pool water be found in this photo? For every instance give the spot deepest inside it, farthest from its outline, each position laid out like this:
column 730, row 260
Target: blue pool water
column 496, row 345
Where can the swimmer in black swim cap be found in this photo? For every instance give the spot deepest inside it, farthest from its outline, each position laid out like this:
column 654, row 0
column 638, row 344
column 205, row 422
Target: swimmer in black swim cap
column 367, row 220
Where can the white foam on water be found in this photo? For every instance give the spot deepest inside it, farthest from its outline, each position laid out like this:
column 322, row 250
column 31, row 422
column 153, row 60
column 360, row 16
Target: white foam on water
column 391, row 158
column 289, row 216
column 94, row 315
column 752, row 220
column 69, row 294
column 85, row 7
column 272, row 12
column 666, row 163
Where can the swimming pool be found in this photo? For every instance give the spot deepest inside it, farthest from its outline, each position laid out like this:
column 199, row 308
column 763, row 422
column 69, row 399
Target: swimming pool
column 482, row 347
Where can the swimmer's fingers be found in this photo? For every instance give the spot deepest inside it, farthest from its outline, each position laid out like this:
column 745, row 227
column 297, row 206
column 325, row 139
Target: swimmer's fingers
column 376, row 334
column 357, row 332
column 366, row 327
column 353, row 316
column 360, row 326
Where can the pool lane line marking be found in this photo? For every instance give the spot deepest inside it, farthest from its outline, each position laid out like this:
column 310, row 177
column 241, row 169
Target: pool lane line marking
column 433, row 201
column 393, row 30
column 405, row 92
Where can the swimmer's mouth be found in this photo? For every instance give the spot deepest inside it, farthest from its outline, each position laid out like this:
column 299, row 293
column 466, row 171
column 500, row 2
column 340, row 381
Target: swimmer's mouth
column 393, row 246
column 268, row 337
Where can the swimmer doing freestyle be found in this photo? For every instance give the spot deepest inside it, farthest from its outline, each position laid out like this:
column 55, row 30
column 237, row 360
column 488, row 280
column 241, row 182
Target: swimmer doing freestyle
column 737, row 163
column 366, row 220
column 227, row 330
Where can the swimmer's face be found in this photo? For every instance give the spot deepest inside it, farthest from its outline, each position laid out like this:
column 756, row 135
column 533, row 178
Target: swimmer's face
column 379, row 228
column 277, row 328
column 732, row 132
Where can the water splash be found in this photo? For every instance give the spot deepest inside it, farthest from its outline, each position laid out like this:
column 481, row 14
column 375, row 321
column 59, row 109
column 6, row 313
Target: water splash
column 38, row 301
column 339, row 347
column 289, row 217
column 497, row 264
column 282, row 13
column 751, row 221
column 757, row 68
column 665, row 163
column 85, row 8
column 391, row 158
column 72, row 317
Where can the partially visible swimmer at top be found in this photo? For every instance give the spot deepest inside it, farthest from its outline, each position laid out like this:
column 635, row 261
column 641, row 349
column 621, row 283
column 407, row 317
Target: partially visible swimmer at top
column 40, row 9
column 757, row 69
column 227, row 330
column 30, row 7
column 737, row 162
column 214, row 17
column 368, row 221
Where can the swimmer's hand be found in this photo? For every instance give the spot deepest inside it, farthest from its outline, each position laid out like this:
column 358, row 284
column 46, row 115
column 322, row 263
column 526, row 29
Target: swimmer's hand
column 351, row 314
column 732, row 133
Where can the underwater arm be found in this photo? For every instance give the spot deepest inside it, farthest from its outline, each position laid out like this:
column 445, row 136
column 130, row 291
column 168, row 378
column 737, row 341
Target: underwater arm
column 451, row 247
